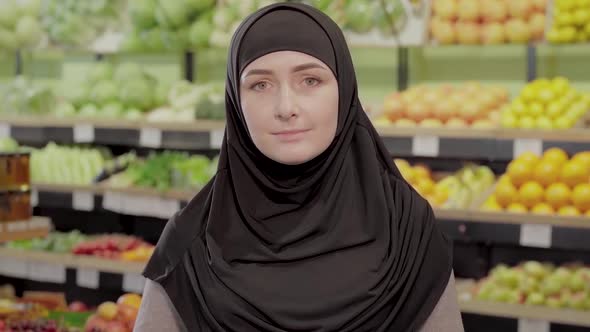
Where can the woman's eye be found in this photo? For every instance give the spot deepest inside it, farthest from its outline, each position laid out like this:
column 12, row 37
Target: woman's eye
column 310, row 81
column 260, row 86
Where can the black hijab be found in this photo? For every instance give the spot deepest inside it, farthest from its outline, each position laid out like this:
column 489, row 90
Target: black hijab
column 339, row 243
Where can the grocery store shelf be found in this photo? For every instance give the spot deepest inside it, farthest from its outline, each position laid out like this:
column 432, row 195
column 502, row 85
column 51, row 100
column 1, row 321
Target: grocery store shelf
column 73, row 261
column 492, row 144
column 518, row 311
column 24, row 229
column 529, row 230
column 131, row 201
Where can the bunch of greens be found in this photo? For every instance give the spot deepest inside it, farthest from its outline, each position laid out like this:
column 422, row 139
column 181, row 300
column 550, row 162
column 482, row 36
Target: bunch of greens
column 54, row 242
column 76, row 23
column 21, row 96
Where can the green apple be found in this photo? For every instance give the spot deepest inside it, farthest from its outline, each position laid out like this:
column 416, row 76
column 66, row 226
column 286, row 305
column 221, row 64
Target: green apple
column 500, row 294
column 555, row 109
column 518, row 107
column 536, row 109
column 560, row 85
column 529, row 285
column 529, row 93
column 509, row 120
column 544, row 122
column 576, row 282
column 554, row 301
column 526, row 122
column 535, row 269
column 546, row 95
column 563, row 122
column 577, row 301
column 551, row 285
column 535, row 298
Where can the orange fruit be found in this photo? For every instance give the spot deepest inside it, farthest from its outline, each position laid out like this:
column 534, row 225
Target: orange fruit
column 583, row 157
column 546, row 173
column 424, row 186
column 519, row 172
column 555, row 155
column 574, row 172
column 581, row 197
column 421, row 171
column 568, row 210
column 558, row 195
column 542, row 208
column 530, row 194
column 505, row 193
column 529, row 157
column 516, row 208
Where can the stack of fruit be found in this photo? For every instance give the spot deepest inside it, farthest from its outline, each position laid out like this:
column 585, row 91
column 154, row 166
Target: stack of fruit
column 19, row 24
column 55, row 242
column 546, row 185
column 534, row 283
column 469, row 104
column 420, row 177
column 546, row 104
column 466, row 185
column 487, row 21
column 115, row 246
column 571, row 22
column 111, row 316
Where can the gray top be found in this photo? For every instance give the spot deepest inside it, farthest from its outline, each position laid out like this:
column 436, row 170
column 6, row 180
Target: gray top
column 157, row 313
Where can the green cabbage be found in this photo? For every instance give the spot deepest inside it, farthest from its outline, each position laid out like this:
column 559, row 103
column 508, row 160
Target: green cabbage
column 102, row 71
column 137, row 93
column 104, row 92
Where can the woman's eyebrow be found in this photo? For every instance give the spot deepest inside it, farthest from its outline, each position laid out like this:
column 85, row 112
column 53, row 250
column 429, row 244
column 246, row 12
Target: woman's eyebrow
column 306, row 66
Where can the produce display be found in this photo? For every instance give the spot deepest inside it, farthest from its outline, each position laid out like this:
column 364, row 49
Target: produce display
column 487, row 21
column 467, row 105
column 538, row 284
column 57, row 164
column 364, row 16
column 570, row 22
column 22, row 97
column 119, row 316
column 39, row 325
column 452, row 191
column 158, row 25
column 549, row 184
column 73, row 23
column 546, row 104
column 465, row 186
column 115, row 246
column 19, row 24
column 167, row 170
column 57, row 242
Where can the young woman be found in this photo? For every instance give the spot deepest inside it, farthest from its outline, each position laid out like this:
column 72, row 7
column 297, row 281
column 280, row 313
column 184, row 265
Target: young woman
column 307, row 225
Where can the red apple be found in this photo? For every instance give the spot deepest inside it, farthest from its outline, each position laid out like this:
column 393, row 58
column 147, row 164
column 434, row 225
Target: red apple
column 493, row 33
column 445, row 9
column 128, row 315
column 78, row 306
column 537, row 26
column 116, row 326
column 470, row 110
column 418, row 111
column 445, row 110
column 517, row 31
column 95, row 323
column 468, row 33
column 494, row 10
column 468, row 10
column 444, row 33
column 394, row 107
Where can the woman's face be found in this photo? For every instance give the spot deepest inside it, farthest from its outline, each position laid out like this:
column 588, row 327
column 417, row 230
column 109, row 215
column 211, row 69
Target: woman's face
column 290, row 104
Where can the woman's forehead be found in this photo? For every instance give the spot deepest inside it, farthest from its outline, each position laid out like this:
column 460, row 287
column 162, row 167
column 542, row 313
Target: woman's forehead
column 291, row 61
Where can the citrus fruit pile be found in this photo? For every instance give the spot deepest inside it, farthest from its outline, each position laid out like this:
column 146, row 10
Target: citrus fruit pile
column 456, row 106
column 550, row 184
column 420, row 177
column 571, row 22
column 546, row 104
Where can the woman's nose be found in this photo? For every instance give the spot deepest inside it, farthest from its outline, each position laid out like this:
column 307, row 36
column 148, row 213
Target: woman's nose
column 287, row 105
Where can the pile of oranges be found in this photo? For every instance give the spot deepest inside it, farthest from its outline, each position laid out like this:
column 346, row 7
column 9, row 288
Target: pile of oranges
column 420, row 177
column 549, row 184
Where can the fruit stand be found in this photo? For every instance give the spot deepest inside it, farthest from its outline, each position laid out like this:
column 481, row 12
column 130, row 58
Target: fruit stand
column 483, row 105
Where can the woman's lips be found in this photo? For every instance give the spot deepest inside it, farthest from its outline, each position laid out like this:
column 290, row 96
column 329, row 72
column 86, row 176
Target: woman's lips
column 290, row 135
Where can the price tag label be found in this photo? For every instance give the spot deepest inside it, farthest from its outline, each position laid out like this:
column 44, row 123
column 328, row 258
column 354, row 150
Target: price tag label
column 150, row 137
column 112, row 201
column 216, row 138
column 149, row 206
column 532, row 235
column 34, row 197
column 13, row 268
column 87, row 278
column 4, row 130
column 16, row 226
column 47, row 272
column 83, row 201
column 133, row 283
column 38, row 223
column 425, row 146
column 522, row 145
column 533, row 325
column 83, row 133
